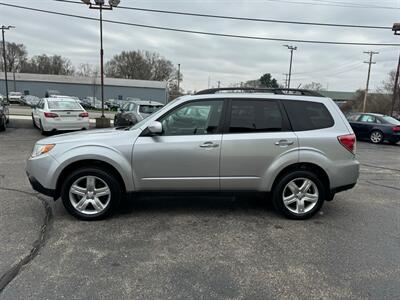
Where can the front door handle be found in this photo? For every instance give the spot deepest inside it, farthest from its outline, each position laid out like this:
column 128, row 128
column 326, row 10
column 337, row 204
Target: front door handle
column 208, row 145
column 284, row 143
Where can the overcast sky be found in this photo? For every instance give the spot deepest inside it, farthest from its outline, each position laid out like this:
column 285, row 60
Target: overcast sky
column 207, row 59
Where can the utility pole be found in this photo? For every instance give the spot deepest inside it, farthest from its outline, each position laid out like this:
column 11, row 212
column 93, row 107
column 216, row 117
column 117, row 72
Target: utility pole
column 286, row 79
column 370, row 62
column 219, row 84
column 3, row 28
column 396, row 29
column 291, row 48
column 179, row 76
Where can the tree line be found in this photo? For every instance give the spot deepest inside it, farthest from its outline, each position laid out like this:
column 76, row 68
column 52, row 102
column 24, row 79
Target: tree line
column 137, row 64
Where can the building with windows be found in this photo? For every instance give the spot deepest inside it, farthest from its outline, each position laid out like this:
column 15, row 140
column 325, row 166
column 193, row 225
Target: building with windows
column 82, row 87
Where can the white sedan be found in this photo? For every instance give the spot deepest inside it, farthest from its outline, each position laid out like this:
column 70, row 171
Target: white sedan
column 54, row 114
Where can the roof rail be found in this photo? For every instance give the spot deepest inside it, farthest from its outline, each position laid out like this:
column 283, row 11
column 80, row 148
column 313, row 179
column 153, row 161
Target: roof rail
column 279, row 91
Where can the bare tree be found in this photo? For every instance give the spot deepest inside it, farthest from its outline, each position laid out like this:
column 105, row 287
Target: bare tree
column 16, row 56
column 43, row 64
column 139, row 65
column 313, row 86
column 86, row 70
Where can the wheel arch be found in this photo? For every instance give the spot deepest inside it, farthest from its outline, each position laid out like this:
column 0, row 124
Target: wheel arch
column 304, row 166
column 87, row 163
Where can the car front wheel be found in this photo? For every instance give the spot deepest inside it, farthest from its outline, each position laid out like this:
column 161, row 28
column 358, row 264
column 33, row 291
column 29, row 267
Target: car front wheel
column 299, row 195
column 91, row 194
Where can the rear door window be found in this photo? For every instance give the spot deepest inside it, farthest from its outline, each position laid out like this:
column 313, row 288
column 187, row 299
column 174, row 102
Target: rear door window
column 306, row 115
column 368, row 119
column 249, row 116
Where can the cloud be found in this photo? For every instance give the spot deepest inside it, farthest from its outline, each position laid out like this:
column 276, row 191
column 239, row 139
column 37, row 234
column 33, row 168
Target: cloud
column 221, row 59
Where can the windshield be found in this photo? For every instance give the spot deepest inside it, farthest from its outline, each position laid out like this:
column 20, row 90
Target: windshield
column 149, row 109
column 391, row 120
column 64, row 104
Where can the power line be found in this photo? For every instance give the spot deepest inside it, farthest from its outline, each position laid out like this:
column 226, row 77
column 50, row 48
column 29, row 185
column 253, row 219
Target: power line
column 204, row 32
column 241, row 18
column 338, row 4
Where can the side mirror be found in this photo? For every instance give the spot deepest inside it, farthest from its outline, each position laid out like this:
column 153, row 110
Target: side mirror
column 155, row 127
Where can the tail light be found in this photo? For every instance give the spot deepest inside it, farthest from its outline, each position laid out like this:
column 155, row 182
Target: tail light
column 396, row 129
column 348, row 141
column 84, row 115
column 50, row 115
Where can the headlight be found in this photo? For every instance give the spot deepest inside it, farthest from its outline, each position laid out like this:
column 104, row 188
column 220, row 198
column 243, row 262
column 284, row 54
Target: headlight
column 41, row 149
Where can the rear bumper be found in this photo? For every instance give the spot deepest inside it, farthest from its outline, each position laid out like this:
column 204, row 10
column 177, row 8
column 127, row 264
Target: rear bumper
column 51, row 124
column 40, row 188
column 339, row 189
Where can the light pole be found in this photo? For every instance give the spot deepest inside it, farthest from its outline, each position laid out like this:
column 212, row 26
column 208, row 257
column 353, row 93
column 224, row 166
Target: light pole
column 291, row 48
column 100, row 5
column 3, row 28
column 396, row 29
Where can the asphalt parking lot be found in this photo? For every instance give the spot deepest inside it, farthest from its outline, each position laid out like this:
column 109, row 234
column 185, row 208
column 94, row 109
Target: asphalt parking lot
column 200, row 248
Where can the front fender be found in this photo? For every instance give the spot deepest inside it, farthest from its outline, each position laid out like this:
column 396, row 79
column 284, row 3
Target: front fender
column 96, row 152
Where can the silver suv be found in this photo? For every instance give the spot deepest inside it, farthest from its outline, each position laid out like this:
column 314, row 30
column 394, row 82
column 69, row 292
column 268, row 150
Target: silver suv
column 295, row 146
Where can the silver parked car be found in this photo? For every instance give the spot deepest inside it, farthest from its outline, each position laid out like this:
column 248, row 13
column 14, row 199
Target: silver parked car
column 296, row 147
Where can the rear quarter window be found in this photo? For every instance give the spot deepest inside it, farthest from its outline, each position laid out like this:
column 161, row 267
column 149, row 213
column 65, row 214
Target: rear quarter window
column 305, row 115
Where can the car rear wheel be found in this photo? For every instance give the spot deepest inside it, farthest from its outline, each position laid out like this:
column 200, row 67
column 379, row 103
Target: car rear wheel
column 299, row 195
column 376, row 137
column 90, row 194
column 33, row 122
column 42, row 131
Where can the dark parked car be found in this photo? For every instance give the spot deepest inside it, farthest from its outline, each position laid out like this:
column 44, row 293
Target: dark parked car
column 134, row 111
column 376, row 128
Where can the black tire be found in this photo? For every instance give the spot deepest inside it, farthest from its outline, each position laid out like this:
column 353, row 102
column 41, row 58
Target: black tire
column 33, row 122
column 278, row 193
column 107, row 177
column 42, row 131
column 376, row 137
column 2, row 124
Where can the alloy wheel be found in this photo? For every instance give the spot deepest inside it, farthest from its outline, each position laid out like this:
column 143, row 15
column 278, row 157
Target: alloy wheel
column 376, row 137
column 300, row 195
column 90, row 195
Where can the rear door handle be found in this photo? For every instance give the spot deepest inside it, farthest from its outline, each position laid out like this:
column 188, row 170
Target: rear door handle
column 284, row 143
column 208, row 145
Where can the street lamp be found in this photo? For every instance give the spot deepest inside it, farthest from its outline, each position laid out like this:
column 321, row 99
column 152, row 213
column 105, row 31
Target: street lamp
column 396, row 30
column 291, row 48
column 3, row 28
column 100, row 5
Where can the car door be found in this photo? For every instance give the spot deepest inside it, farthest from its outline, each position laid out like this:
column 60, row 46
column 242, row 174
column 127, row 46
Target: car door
column 354, row 123
column 257, row 133
column 366, row 123
column 186, row 155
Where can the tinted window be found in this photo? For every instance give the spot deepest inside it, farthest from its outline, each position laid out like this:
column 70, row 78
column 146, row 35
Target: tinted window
column 255, row 116
column 149, row 109
column 305, row 115
column 199, row 117
column 368, row 119
column 391, row 120
column 353, row 118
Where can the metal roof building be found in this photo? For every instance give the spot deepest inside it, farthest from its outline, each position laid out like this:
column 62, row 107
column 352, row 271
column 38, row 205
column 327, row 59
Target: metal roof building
column 114, row 88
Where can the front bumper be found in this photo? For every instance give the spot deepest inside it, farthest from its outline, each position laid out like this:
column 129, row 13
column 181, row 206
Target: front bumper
column 40, row 188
